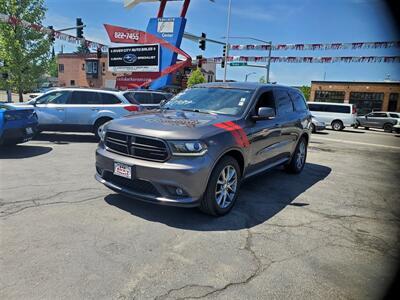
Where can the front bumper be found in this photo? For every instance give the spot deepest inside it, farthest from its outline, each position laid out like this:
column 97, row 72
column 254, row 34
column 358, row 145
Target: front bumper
column 156, row 182
column 18, row 135
column 396, row 128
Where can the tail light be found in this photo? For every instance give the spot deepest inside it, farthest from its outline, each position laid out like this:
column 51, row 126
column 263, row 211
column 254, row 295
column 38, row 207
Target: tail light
column 354, row 110
column 132, row 108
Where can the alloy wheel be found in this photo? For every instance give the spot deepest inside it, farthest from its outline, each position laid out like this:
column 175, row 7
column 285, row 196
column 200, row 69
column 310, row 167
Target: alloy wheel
column 226, row 186
column 301, row 155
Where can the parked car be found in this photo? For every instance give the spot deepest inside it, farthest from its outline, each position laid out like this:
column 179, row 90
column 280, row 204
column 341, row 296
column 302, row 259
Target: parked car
column 197, row 150
column 317, row 125
column 337, row 115
column 85, row 110
column 17, row 125
column 379, row 119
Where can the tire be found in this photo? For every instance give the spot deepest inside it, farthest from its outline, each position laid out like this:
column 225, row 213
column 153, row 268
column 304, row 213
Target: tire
column 298, row 161
column 97, row 125
column 216, row 200
column 388, row 127
column 313, row 130
column 366, row 128
column 356, row 125
column 337, row 125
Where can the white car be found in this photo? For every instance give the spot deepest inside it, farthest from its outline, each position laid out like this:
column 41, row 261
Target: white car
column 337, row 115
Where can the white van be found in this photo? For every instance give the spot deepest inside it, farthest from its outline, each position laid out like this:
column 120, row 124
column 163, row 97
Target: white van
column 337, row 115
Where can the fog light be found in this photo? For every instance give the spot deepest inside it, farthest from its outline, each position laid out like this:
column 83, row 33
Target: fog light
column 179, row 191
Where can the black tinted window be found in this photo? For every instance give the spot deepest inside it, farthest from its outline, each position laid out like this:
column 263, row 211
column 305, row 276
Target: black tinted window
column 157, row 98
column 315, row 107
column 298, row 101
column 285, row 104
column 394, row 116
column 337, row 109
column 85, row 98
column 107, row 98
column 378, row 115
column 144, row 98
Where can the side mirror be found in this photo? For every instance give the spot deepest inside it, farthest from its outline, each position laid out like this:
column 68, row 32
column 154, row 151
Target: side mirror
column 264, row 113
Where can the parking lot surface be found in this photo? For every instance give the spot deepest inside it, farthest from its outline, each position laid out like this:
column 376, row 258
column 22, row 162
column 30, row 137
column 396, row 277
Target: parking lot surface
column 328, row 233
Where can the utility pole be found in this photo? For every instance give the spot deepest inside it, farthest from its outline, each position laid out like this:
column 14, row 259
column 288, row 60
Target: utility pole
column 269, row 60
column 227, row 38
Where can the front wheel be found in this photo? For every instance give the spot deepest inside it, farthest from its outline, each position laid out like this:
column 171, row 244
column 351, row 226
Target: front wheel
column 222, row 188
column 298, row 160
column 388, row 127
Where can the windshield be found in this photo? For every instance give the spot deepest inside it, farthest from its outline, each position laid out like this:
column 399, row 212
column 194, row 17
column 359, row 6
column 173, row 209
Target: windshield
column 211, row 100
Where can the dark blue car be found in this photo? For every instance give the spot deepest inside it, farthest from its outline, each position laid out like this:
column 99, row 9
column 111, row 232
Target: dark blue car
column 17, row 125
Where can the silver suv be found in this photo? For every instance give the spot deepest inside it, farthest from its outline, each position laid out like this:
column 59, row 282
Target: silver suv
column 197, row 149
column 86, row 110
column 387, row 121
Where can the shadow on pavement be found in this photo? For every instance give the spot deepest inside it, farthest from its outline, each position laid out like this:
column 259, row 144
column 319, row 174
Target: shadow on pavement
column 66, row 138
column 22, row 151
column 349, row 131
column 260, row 199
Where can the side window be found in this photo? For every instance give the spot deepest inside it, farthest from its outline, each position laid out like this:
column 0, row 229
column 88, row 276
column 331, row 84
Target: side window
column 157, row 98
column 81, row 97
column 338, row 109
column 107, row 98
column 285, row 104
column 59, row 97
column 379, row 115
column 144, row 98
column 298, row 101
column 265, row 100
column 396, row 116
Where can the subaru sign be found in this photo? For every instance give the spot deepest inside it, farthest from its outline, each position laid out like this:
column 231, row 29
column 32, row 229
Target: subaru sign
column 139, row 58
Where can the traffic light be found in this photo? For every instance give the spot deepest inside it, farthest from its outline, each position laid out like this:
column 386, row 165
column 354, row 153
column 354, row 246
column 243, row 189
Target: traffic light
column 199, row 59
column 79, row 31
column 51, row 35
column 202, row 41
column 223, row 57
column 99, row 53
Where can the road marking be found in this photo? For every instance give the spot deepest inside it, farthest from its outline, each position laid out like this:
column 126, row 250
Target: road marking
column 354, row 143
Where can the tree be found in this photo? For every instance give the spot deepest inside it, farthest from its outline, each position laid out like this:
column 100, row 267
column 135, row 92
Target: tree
column 82, row 49
column 306, row 90
column 195, row 78
column 25, row 50
column 53, row 67
column 262, row 79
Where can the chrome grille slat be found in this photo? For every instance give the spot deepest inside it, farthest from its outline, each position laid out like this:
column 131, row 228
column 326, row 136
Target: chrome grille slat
column 141, row 147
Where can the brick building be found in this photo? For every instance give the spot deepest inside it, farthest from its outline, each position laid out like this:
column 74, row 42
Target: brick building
column 367, row 96
column 90, row 71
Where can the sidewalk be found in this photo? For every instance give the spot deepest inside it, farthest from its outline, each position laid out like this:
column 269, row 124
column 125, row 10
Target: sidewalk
column 3, row 96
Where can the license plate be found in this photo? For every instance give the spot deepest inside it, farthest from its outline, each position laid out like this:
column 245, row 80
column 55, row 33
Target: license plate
column 29, row 130
column 123, row 170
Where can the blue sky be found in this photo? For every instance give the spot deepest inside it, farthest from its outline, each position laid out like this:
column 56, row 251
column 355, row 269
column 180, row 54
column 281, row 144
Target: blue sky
column 282, row 21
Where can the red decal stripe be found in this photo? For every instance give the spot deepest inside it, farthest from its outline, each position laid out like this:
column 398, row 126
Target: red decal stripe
column 236, row 131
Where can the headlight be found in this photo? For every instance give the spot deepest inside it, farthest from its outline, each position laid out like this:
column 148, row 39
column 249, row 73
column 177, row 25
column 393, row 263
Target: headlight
column 102, row 132
column 8, row 117
column 188, row 148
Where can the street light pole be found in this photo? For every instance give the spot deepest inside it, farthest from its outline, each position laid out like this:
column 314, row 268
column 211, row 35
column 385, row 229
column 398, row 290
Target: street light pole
column 227, row 38
column 248, row 74
column 269, row 61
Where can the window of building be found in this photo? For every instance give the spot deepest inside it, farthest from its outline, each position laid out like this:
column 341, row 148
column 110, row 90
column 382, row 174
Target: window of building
column 61, row 68
column 72, row 82
column 329, row 96
column 92, row 67
column 366, row 101
column 393, row 99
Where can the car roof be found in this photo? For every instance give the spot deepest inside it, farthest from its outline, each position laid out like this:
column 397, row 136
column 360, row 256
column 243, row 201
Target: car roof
column 241, row 85
column 86, row 90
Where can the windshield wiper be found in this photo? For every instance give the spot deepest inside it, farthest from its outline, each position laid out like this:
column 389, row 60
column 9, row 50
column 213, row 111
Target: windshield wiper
column 196, row 110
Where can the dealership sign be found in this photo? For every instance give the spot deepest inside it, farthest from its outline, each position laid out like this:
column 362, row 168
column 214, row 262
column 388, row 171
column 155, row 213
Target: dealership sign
column 143, row 58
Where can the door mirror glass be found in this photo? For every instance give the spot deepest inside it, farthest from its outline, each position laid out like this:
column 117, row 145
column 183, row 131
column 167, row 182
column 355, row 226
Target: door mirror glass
column 264, row 113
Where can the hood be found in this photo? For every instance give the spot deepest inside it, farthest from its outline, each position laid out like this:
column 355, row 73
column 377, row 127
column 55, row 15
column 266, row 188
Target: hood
column 170, row 125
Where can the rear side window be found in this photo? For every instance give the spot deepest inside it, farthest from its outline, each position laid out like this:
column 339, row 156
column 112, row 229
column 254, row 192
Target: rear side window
column 298, row 101
column 81, row 97
column 144, row 98
column 107, row 98
column 157, row 98
column 394, row 116
column 285, row 104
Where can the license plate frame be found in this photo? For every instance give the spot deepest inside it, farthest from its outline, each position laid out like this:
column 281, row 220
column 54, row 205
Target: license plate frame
column 123, row 170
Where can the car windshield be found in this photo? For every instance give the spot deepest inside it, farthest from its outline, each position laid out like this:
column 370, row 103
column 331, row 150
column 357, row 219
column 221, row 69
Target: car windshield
column 211, row 100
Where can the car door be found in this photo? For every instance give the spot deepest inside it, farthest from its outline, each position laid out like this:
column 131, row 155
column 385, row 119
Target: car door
column 50, row 109
column 376, row 120
column 263, row 135
column 82, row 109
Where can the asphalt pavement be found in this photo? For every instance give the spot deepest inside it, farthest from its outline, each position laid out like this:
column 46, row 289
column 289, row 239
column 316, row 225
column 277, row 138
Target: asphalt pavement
column 331, row 232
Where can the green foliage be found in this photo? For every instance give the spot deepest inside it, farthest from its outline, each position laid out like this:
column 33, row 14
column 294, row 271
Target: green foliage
column 82, row 49
column 306, row 90
column 195, row 78
column 262, row 79
column 25, row 50
column 53, row 67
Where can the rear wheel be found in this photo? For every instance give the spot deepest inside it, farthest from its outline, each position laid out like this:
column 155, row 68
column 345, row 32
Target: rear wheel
column 388, row 127
column 222, row 188
column 357, row 124
column 337, row 125
column 298, row 160
column 366, row 128
column 97, row 126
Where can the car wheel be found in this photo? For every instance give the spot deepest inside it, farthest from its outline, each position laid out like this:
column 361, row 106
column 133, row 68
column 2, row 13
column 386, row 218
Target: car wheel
column 388, row 127
column 97, row 126
column 337, row 125
column 222, row 188
column 313, row 130
column 356, row 125
column 299, row 157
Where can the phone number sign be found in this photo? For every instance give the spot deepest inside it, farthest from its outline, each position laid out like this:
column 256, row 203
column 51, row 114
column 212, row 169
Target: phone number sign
column 138, row 58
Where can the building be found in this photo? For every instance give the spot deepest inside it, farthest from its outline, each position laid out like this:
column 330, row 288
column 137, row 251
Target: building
column 367, row 96
column 90, row 71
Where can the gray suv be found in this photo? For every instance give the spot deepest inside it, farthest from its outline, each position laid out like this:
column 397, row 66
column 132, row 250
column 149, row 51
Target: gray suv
column 199, row 147
column 387, row 121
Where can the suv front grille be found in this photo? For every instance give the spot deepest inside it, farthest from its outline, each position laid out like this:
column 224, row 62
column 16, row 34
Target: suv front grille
column 137, row 146
column 136, row 185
